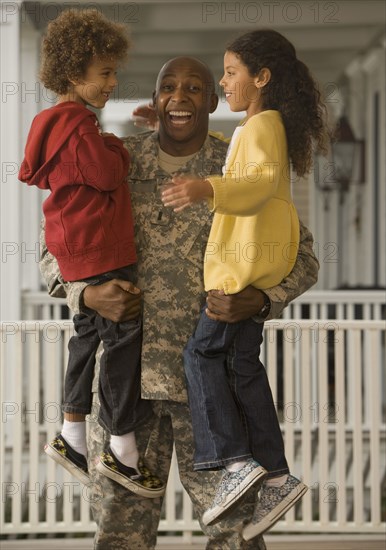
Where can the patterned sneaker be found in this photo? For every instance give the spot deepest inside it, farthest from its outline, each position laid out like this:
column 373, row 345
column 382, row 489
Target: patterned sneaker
column 232, row 487
column 273, row 503
column 74, row 462
column 144, row 484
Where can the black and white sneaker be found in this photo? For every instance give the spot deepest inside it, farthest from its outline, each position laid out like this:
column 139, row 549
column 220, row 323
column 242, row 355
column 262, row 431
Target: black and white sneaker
column 143, row 484
column 273, row 503
column 231, row 488
column 74, row 462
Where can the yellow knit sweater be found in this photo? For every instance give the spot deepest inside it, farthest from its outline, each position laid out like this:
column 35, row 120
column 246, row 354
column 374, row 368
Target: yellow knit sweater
column 255, row 232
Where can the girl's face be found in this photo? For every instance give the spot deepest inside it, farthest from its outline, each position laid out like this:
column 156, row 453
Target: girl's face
column 97, row 84
column 242, row 91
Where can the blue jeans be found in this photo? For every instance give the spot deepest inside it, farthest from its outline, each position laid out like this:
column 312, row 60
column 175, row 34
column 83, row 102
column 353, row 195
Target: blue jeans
column 233, row 413
column 121, row 407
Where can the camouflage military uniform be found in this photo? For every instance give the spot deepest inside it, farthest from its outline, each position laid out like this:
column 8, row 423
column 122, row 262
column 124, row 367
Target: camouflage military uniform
column 171, row 248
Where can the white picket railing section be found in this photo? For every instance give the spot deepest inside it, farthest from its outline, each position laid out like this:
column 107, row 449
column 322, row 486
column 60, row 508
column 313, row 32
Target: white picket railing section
column 326, row 377
column 40, row 305
column 338, row 304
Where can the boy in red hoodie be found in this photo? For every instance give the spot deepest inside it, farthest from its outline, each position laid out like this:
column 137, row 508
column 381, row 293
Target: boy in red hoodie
column 88, row 215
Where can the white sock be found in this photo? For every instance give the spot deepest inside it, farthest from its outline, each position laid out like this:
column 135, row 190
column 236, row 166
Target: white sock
column 75, row 435
column 125, row 449
column 235, row 466
column 276, row 481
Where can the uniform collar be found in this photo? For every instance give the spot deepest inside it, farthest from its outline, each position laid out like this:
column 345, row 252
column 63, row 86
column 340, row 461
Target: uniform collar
column 143, row 169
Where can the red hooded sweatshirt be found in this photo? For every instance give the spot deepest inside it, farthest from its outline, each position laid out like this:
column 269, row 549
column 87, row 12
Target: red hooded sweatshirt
column 89, row 223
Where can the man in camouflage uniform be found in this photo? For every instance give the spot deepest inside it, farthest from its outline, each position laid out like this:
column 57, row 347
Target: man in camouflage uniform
column 170, row 265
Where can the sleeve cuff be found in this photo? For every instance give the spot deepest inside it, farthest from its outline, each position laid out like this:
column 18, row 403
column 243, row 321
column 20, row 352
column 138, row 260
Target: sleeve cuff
column 264, row 311
column 75, row 297
column 277, row 296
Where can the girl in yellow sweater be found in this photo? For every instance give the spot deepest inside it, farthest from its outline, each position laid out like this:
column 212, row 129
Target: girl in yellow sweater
column 253, row 241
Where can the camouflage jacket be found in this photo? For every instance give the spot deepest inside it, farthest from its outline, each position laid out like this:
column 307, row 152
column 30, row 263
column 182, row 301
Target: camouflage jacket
column 170, row 251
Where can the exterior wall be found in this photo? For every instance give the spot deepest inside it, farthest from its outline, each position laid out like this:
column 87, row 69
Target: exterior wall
column 351, row 234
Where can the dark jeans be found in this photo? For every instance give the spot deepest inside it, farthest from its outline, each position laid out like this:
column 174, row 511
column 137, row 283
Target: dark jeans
column 121, row 407
column 233, row 413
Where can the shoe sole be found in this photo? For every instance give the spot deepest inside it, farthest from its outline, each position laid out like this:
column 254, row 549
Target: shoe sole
column 215, row 514
column 253, row 530
column 128, row 483
column 74, row 470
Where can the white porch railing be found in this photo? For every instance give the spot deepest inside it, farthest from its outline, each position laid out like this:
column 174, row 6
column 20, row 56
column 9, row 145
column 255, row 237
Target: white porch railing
column 314, row 304
column 326, row 376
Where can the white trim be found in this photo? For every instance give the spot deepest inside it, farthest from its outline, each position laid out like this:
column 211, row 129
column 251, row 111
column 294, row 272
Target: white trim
column 372, row 60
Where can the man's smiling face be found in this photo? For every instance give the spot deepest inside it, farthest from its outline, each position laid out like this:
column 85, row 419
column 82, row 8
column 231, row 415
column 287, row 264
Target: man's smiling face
column 183, row 99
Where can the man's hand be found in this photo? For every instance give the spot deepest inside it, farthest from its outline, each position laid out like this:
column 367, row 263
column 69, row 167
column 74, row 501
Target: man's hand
column 116, row 300
column 144, row 116
column 186, row 191
column 232, row 308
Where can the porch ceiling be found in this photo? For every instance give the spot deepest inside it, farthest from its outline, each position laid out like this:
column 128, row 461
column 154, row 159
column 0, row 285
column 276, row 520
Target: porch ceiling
column 327, row 35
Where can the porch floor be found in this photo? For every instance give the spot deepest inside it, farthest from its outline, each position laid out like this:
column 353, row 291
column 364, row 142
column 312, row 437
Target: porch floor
column 273, row 542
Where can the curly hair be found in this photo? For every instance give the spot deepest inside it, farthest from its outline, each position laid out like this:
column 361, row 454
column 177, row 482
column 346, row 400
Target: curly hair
column 291, row 90
column 73, row 40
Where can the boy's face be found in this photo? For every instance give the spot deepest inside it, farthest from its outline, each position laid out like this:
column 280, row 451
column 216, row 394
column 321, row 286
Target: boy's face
column 97, row 84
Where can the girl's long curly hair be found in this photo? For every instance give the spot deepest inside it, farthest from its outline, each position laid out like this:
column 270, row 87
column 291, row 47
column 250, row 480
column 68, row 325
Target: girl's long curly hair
column 73, row 40
column 291, row 90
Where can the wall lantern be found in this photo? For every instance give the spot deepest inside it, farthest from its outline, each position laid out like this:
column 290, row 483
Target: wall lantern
column 345, row 165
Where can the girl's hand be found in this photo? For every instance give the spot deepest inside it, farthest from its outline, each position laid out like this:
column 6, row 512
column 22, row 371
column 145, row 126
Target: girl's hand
column 144, row 116
column 186, row 190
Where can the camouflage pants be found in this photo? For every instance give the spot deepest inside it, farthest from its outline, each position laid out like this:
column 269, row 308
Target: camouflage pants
column 126, row 521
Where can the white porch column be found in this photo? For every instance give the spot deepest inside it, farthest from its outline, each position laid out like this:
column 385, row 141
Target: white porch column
column 10, row 152
column 354, row 229
column 33, row 99
column 324, row 214
column 374, row 192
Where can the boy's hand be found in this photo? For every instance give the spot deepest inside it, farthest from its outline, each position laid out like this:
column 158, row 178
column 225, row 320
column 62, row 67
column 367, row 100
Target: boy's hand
column 116, row 300
column 186, row 190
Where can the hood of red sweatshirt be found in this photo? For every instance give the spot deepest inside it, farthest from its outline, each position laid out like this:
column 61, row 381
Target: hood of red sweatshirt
column 49, row 131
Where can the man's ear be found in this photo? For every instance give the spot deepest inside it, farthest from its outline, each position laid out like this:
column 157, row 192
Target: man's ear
column 262, row 78
column 213, row 103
